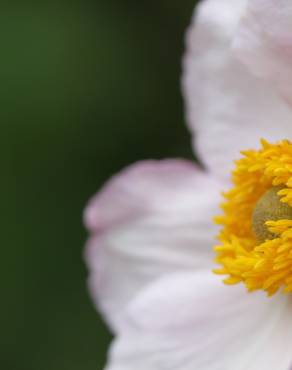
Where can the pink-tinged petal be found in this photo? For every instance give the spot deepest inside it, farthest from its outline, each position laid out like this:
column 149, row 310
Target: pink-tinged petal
column 152, row 219
column 192, row 321
column 228, row 109
column 264, row 42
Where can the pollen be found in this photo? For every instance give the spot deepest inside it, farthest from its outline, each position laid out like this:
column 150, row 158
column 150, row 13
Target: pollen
column 255, row 240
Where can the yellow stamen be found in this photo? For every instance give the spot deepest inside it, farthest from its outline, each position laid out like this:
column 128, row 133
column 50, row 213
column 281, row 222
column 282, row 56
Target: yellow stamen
column 256, row 236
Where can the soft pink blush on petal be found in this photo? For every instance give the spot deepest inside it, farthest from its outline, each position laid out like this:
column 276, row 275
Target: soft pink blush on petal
column 228, row 109
column 192, row 321
column 152, row 219
column 264, row 42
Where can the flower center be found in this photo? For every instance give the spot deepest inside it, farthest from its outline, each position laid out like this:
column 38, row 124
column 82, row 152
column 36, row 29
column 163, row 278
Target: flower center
column 269, row 208
column 256, row 234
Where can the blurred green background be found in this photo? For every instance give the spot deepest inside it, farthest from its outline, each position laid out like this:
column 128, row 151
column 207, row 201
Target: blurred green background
column 87, row 87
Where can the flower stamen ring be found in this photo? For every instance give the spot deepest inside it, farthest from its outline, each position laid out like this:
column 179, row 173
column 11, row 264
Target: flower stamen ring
column 256, row 235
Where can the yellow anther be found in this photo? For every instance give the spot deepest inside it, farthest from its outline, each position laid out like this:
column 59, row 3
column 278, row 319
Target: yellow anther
column 256, row 236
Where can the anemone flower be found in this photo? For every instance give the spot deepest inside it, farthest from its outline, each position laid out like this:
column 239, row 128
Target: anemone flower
column 150, row 253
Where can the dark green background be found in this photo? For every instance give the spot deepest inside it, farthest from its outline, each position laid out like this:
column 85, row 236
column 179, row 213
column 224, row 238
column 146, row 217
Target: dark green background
column 87, row 87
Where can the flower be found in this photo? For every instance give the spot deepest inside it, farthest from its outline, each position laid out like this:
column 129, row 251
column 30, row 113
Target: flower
column 150, row 250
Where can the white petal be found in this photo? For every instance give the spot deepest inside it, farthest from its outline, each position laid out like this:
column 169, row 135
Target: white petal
column 228, row 109
column 264, row 42
column 152, row 219
column 192, row 321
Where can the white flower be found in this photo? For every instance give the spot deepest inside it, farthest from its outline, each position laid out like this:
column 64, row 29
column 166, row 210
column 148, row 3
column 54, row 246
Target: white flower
column 150, row 251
